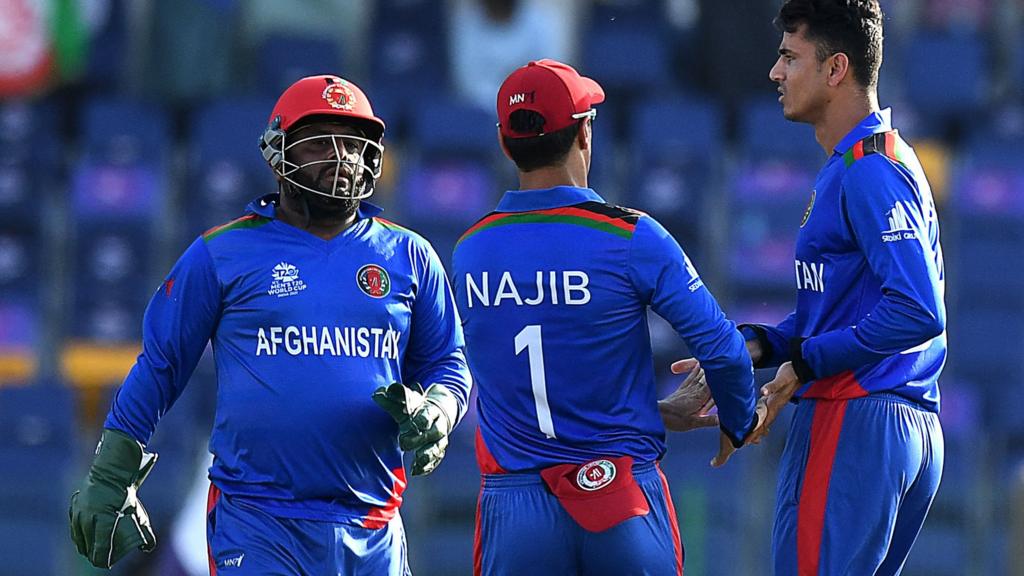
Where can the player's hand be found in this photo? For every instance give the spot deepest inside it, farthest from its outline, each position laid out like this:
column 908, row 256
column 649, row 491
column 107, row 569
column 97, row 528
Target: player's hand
column 777, row 394
column 106, row 516
column 425, row 419
column 725, row 447
column 687, row 407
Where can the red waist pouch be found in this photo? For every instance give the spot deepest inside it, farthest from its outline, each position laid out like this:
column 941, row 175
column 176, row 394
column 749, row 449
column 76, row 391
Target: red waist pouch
column 599, row 494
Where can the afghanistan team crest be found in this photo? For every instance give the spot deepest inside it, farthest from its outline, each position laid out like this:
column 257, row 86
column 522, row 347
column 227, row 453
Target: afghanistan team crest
column 810, row 206
column 338, row 95
column 374, row 281
column 595, row 475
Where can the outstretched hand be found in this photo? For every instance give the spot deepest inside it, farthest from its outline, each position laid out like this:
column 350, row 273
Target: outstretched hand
column 725, row 447
column 774, row 397
column 687, row 407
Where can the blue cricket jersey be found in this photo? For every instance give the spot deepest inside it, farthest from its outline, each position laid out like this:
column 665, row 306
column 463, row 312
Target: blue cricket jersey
column 869, row 275
column 303, row 331
column 554, row 289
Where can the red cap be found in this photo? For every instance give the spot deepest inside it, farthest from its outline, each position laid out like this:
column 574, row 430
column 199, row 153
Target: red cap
column 552, row 89
column 324, row 94
column 599, row 494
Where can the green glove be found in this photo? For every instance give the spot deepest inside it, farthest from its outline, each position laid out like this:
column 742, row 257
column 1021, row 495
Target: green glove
column 425, row 419
column 107, row 517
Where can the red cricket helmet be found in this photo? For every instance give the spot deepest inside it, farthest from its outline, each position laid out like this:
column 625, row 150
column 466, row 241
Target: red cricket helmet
column 318, row 96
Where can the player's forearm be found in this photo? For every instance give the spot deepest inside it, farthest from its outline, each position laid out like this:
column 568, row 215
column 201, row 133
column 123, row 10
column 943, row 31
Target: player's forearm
column 733, row 389
column 770, row 342
column 894, row 326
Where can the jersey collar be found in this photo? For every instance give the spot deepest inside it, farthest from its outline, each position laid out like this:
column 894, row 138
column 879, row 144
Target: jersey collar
column 527, row 200
column 874, row 123
column 266, row 206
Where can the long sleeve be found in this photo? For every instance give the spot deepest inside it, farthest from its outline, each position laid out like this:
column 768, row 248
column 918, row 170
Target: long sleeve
column 898, row 236
column 436, row 346
column 179, row 321
column 669, row 283
column 774, row 340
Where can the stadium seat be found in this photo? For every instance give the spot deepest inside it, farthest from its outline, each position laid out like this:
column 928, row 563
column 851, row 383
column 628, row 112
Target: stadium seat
column 643, row 66
column 29, row 133
column 121, row 132
column 677, row 125
column 765, row 133
column 676, row 145
column 407, row 58
column 930, row 57
column 37, row 427
column 285, row 59
column 20, row 331
column 448, row 126
column 225, row 168
column 21, row 262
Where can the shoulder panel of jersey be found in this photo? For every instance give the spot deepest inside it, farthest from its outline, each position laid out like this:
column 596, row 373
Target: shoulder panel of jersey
column 389, row 225
column 246, row 222
column 888, row 144
column 608, row 218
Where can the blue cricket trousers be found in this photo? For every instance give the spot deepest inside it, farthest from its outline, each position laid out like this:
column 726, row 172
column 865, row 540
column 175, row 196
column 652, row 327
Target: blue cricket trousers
column 856, row 482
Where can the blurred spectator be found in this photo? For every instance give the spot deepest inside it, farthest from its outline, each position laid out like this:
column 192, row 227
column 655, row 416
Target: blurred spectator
column 490, row 38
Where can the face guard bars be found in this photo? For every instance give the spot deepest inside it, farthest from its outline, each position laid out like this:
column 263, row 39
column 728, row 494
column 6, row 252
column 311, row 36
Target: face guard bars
column 351, row 179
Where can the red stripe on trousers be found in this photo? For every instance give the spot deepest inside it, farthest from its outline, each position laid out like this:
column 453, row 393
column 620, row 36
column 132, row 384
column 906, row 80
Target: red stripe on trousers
column 677, row 540
column 825, row 429
column 212, row 497
column 478, row 551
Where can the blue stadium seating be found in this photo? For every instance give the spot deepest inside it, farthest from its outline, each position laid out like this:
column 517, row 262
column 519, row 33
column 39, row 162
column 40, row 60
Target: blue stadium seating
column 37, row 425
column 407, row 58
column 627, row 59
column 285, row 59
column 928, row 84
column 765, row 133
column 225, row 168
column 676, row 144
column 125, row 133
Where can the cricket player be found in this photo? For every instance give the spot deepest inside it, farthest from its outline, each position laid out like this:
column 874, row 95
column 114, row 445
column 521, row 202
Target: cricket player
column 862, row 353
column 554, row 288
column 318, row 310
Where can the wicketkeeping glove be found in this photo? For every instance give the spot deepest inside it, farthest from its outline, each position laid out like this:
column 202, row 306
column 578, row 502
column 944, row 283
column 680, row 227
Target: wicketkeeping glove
column 107, row 518
column 425, row 419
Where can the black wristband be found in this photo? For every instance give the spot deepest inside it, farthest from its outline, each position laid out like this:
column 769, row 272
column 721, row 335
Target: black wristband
column 761, row 335
column 803, row 370
column 739, row 442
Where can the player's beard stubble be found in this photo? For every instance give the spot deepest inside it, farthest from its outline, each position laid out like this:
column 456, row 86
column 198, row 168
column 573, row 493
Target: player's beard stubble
column 322, row 209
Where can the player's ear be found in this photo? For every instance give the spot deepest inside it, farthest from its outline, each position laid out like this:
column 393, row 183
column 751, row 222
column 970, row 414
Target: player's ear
column 501, row 142
column 584, row 135
column 838, row 68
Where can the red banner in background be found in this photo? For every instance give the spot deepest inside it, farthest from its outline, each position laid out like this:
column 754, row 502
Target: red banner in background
column 26, row 64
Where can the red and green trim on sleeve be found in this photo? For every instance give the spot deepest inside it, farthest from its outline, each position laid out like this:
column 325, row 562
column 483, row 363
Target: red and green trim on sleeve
column 606, row 218
column 245, row 222
column 888, row 144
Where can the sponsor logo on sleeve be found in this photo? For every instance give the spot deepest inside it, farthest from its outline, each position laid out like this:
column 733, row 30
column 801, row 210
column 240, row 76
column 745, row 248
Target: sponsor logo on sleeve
column 899, row 224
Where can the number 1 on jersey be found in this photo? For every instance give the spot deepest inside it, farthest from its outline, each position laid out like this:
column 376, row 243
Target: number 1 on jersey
column 529, row 339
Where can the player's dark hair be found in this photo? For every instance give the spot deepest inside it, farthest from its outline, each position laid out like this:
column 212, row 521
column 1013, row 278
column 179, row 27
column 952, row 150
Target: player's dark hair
column 538, row 151
column 853, row 27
